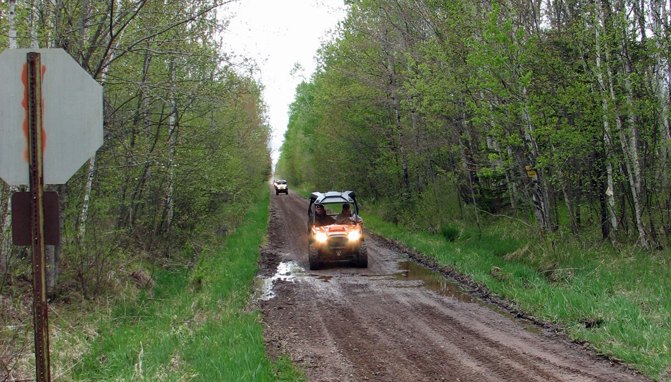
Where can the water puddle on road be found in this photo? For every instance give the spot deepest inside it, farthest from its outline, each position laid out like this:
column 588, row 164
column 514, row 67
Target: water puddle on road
column 432, row 280
column 437, row 282
column 286, row 271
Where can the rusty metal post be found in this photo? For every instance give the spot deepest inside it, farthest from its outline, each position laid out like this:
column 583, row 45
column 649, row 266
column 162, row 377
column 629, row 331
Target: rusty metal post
column 40, row 306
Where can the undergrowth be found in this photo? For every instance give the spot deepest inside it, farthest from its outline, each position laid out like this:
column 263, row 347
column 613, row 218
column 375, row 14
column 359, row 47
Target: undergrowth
column 189, row 324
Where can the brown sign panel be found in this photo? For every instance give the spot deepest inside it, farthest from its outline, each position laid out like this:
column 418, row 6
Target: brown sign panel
column 21, row 221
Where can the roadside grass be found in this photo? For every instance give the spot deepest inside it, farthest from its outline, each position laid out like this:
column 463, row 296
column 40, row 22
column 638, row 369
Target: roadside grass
column 194, row 325
column 616, row 299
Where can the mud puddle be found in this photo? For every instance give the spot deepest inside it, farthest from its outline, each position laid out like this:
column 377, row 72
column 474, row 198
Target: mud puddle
column 415, row 274
column 437, row 282
column 432, row 280
column 286, row 271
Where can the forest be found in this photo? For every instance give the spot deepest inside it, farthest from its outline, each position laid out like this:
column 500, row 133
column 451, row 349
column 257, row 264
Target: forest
column 551, row 112
column 185, row 147
column 185, row 136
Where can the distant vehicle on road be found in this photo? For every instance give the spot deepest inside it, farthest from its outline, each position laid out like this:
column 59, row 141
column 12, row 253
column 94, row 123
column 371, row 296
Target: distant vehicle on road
column 281, row 186
column 335, row 229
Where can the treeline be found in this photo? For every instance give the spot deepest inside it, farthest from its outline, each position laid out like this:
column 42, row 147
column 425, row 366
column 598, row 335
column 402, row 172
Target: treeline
column 555, row 110
column 185, row 138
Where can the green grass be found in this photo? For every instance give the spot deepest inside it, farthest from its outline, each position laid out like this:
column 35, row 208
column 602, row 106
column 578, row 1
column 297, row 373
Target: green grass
column 617, row 299
column 196, row 326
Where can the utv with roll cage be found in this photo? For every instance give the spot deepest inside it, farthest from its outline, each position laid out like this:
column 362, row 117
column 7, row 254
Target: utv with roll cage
column 335, row 241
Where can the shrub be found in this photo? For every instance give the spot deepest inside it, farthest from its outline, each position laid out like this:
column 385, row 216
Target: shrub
column 449, row 233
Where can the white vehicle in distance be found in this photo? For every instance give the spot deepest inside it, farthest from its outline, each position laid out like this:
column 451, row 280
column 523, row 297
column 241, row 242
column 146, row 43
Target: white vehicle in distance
column 281, row 186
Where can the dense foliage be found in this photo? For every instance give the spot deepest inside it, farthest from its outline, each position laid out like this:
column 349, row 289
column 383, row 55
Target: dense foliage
column 186, row 139
column 186, row 149
column 555, row 111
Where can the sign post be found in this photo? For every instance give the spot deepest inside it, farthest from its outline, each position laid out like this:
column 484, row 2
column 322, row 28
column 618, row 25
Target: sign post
column 40, row 306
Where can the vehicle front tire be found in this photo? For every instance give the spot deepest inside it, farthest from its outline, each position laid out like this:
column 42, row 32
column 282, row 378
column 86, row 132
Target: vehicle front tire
column 313, row 258
column 361, row 260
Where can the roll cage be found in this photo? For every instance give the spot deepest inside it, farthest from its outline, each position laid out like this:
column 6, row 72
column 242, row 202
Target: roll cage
column 332, row 197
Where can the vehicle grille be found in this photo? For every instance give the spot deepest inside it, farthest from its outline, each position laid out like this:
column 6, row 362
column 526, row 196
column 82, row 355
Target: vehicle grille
column 337, row 242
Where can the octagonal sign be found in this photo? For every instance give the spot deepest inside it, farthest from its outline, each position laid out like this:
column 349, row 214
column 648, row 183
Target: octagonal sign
column 72, row 115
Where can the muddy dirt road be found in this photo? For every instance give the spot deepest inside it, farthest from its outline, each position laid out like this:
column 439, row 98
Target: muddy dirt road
column 397, row 321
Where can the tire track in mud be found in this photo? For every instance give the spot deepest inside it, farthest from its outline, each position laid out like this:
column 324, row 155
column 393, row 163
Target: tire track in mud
column 375, row 324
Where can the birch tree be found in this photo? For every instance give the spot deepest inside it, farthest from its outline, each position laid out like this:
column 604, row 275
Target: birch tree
column 606, row 115
column 629, row 136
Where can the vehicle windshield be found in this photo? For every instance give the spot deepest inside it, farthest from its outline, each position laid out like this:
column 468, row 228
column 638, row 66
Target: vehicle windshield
column 281, row 182
column 334, row 209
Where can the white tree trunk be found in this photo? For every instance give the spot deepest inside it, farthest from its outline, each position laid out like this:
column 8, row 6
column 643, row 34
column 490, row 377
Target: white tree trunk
column 630, row 145
column 88, row 187
column 660, row 86
column 172, row 133
column 84, row 212
column 607, row 143
column 53, row 252
column 540, row 196
column 12, row 26
column 662, row 66
column 34, row 43
column 540, row 189
column 631, row 158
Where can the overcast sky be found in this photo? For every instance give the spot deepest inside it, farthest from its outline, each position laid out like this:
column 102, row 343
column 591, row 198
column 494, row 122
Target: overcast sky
column 277, row 34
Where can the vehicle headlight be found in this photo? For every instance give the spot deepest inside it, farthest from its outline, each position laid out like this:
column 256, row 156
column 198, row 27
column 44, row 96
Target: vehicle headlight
column 321, row 237
column 354, row 235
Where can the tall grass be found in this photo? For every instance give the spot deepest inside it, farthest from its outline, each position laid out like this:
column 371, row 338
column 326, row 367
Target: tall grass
column 617, row 299
column 195, row 325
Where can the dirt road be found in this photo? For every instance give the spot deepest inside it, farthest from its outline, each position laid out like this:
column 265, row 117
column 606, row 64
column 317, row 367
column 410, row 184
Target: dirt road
column 397, row 321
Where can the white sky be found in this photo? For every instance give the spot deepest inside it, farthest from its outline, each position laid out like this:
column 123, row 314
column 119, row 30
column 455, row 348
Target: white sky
column 277, row 34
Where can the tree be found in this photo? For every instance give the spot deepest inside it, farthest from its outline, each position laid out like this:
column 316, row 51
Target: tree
column 520, row 104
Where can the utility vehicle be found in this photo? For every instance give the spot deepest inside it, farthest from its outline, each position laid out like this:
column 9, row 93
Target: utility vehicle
column 334, row 238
